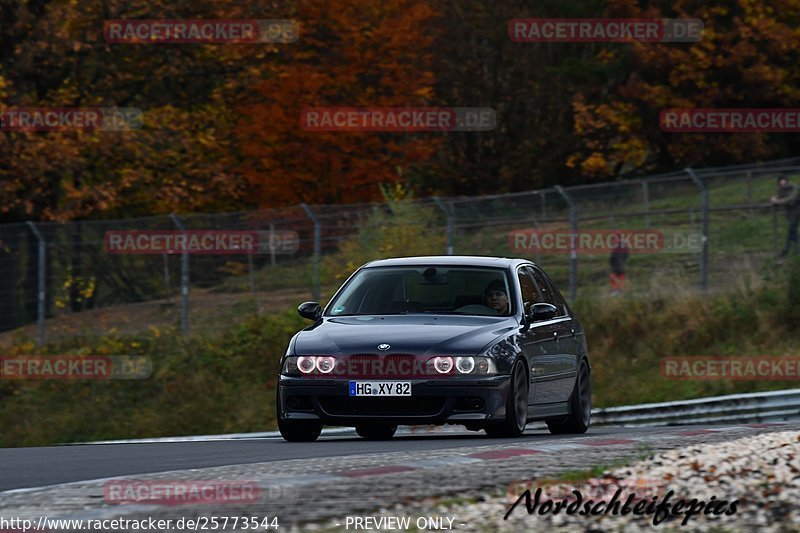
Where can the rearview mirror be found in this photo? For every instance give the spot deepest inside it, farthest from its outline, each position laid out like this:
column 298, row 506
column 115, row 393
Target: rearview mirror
column 309, row 310
column 542, row 311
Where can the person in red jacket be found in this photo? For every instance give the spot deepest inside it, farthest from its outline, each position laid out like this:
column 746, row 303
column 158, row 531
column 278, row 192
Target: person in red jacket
column 618, row 258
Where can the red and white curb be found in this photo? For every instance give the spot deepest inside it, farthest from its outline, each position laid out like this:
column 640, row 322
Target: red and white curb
column 521, row 451
column 287, row 485
column 491, row 453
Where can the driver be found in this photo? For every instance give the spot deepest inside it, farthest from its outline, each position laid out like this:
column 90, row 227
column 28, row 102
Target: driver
column 496, row 296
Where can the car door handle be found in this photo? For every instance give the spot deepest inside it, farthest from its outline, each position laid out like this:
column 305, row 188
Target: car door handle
column 564, row 336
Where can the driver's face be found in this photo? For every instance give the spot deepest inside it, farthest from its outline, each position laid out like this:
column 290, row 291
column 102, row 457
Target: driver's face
column 497, row 300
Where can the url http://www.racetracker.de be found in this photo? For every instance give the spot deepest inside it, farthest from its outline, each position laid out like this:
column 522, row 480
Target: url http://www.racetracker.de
column 203, row 523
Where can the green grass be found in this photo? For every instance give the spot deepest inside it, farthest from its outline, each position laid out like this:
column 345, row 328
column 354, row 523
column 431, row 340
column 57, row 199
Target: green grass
column 628, row 337
column 222, row 378
column 225, row 381
column 741, row 243
column 287, row 273
column 207, row 384
column 643, row 452
column 576, row 476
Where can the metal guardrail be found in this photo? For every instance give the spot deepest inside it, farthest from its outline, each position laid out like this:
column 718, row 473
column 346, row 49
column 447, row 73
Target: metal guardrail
column 772, row 406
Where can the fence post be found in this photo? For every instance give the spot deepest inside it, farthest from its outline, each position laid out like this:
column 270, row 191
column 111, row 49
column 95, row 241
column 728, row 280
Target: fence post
column 250, row 278
column 573, row 253
column 447, row 209
column 538, row 248
column 703, row 227
column 543, row 202
column 317, row 251
column 272, row 244
column 41, row 294
column 166, row 279
column 646, row 194
column 184, row 280
column 775, row 229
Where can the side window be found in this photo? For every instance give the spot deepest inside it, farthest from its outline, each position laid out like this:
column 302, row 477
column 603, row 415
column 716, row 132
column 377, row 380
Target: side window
column 529, row 294
column 561, row 304
column 549, row 294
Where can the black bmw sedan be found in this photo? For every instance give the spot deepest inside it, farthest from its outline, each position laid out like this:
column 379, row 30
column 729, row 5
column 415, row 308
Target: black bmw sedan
column 485, row 342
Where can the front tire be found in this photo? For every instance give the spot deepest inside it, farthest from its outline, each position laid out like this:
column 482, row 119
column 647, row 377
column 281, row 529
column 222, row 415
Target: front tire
column 516, row 406
column 376, row 431
column 580, row 406
column 297, row 430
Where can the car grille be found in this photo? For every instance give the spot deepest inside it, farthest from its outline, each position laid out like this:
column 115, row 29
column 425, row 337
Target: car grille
column 382, row 366
column 376, row 406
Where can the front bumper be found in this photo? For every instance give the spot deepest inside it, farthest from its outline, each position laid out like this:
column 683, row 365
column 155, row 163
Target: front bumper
column 461, row 400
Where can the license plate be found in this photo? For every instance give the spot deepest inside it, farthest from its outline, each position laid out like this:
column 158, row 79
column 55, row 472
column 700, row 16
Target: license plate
column 380, row 388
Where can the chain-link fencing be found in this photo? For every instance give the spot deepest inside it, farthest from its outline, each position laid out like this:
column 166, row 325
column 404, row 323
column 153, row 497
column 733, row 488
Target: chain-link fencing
column 692, row 230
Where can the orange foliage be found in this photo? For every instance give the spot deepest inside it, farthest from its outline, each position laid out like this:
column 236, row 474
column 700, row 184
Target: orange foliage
column 367, row 54
column 748, row 57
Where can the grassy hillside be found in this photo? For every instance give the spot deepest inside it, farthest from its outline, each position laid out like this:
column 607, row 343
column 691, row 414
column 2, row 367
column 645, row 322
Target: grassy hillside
column 629, row 336
column 224, row 382
column 222, row 377
column 220, row 383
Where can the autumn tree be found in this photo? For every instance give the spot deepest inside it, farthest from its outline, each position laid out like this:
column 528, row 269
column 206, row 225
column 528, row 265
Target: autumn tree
column 54, row 54
column 366, row 54
column 749, row 57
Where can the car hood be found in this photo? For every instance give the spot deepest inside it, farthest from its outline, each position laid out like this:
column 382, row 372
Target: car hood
column 406, row 334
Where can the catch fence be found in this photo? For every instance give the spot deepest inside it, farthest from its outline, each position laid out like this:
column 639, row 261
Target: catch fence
column 717, row 229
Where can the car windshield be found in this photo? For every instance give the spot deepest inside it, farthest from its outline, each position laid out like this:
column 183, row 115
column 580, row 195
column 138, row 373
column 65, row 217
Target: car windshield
column 425, row 289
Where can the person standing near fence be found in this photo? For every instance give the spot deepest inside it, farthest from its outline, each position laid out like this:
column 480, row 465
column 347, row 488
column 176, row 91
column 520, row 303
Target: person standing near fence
column 617, row 259
column 788, row 194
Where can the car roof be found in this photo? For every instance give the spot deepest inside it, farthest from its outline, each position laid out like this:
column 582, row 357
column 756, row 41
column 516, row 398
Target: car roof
column 449, row 260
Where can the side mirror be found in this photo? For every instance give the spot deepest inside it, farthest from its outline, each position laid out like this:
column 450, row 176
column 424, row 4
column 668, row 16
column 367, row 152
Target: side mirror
column 542, row 311
column 309, row 310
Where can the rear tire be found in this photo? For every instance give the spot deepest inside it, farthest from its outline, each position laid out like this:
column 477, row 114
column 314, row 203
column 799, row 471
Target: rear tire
column 580, row 406
column 376, row 431
column 516, row 406
column 297, row 430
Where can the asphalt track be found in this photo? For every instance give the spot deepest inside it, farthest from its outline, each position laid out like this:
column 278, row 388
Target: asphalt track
column 327, row 481
column 51, row 465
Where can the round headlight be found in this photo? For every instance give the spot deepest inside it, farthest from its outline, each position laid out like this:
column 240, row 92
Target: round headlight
column 306, row 364
column 443, row 365
column 483, row 365
column 326, row 364
column 465, row 365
